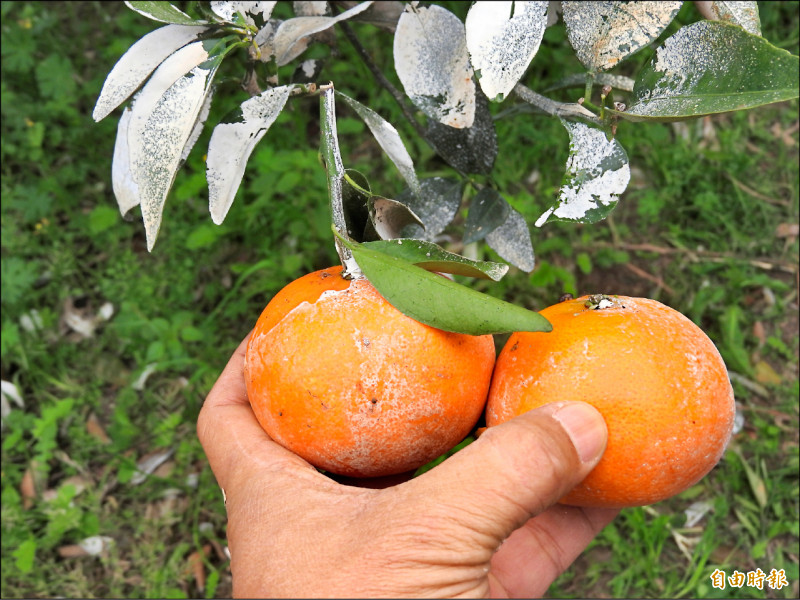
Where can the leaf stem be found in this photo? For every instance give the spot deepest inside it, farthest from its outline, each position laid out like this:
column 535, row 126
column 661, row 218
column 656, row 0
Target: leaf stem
column 552, row 107
column 587, row 92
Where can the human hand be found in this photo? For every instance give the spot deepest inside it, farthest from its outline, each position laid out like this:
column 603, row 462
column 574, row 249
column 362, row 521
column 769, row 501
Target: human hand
column 482, row 523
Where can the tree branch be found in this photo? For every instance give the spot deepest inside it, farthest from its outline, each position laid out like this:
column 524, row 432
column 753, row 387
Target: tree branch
column 558, row 109
column 382, row 80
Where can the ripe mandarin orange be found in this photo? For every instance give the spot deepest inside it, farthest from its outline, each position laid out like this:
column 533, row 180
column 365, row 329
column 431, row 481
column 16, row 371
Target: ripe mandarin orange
column 339, row 376
column 656, row 378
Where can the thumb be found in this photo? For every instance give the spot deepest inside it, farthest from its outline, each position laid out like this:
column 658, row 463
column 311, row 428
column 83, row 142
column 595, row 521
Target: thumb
column 516, row 470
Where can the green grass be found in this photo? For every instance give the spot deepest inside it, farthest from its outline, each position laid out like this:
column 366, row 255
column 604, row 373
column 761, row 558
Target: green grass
column 700, row 228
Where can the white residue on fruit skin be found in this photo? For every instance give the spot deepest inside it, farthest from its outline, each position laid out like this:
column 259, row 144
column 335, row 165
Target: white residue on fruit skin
column 375, row 404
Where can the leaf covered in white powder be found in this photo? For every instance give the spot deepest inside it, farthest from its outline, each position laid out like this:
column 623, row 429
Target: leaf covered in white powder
column 512, row 241
column 388, row 139
column 742, row 13
column 605, row 33
column 597, row 173
column 503, row 38
column 233, row 142
column 138, row 62
column 711, row 67
column 432, row 63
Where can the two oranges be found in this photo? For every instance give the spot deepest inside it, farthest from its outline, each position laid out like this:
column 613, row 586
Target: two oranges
column 340, row 377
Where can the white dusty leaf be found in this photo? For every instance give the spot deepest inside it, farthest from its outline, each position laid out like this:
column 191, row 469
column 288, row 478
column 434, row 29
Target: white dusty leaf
column 163, row 12
column 744, row 14
column 138, row 62
column 125, row 189
column 160, row 143
column 227, row 10
column 512, row 241
column 311, row 9
column 265, row 40
column 164, row 115
column 291, row 39
column 388, row 139
column 232, row 143
column 432, row 63
column 389, row 217
column 383, row 14
column 597, row 173
column 553, row 12
column 436, row 205
column 501, row 44
column 604, row 33
column 198, row 126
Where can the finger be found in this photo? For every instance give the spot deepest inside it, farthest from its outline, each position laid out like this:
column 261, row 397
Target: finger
column 539, row 551
column 516, row 470
column 229, row 432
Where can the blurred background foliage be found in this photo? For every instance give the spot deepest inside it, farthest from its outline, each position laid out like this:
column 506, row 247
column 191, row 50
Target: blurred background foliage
column 112, row 349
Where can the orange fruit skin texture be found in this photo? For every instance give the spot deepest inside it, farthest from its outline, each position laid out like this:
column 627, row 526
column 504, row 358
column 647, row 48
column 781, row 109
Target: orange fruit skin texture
column 656, row 378
column 340, row 377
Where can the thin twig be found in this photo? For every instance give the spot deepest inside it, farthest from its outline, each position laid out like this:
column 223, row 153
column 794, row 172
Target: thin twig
column 704, row 255
column 382, row 80
column 650, row 277
column 757, row 195
column 552, row 107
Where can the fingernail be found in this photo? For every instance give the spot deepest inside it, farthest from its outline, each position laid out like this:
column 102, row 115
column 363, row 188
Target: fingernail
column 585, row 427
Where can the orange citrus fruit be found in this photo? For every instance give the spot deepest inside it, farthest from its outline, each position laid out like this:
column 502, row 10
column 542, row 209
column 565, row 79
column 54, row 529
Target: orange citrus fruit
column 656, row 378
column 340, row 377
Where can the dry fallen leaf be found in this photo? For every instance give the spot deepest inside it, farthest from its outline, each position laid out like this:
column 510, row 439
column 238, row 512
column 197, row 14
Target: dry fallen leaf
column 95, row 429
column 785, row 230
column 27, row 488
column 760, row 333
column 195, row 566
column 766, row 374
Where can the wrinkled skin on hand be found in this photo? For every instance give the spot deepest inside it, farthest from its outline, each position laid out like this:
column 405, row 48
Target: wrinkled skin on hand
column 484, row 523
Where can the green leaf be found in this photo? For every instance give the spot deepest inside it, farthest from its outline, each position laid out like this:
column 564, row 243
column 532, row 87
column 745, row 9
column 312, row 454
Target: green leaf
column 733, row 347
column 101, row 218
column 757, row 485
column 712, row 67
column 164, row 12
column 25, row 554
column 54, row 76
column 431, row 257
column 440, row 302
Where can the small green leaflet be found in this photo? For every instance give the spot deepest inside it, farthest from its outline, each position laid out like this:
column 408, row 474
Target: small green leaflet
column 432, row 257
column 712, row 67
column 439, row 302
